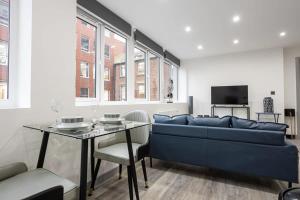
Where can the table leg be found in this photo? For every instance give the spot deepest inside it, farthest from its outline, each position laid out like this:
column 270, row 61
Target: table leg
column 258, row 117
column 92, row 157
column 132, row 163
column 43, row 150
column 83, row 169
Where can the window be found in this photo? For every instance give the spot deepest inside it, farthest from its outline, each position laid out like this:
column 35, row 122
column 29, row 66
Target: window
column 154, row 65
column 116, row 64
column 140, row 76
column 106, row 95
column 170, row 80
column 84, row 92
column 84, row 43
column 106, row 74
column 141, row 89
column 84, row 69
column 85, row 60
column 123, row 92
column 122, row 71
column 107, row 51
column 4, row 48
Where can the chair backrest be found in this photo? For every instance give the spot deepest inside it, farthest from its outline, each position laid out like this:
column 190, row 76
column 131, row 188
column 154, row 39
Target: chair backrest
column 139, row 135
column 11, row 170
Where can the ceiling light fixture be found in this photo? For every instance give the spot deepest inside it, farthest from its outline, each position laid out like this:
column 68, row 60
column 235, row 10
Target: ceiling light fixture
column 282, row 34
column 188, row 29
column 236, row 41
column 236, row 19
column 200, row 47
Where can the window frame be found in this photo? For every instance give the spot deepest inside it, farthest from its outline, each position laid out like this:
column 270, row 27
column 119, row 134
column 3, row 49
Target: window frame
column 130, row 82
column 92, row 100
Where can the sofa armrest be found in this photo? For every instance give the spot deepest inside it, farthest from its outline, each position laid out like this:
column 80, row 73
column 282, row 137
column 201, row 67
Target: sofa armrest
column 56, row 193
column 11, row 170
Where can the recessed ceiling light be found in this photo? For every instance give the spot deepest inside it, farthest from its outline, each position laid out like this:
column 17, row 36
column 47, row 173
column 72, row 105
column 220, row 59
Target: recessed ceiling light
column 236, row 41
column 282, row 34
column 187, row 29
column 236, row 19
column 200, row 47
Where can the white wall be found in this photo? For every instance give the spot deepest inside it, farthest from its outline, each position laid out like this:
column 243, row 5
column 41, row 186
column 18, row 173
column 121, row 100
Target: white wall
column 261, row 70
column 53, row 76
column 290, row 95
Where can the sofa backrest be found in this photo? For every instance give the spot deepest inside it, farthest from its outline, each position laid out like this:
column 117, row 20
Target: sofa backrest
column 264, row 137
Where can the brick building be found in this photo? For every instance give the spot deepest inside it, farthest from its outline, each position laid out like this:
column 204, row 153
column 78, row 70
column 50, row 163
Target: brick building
column 4, row 44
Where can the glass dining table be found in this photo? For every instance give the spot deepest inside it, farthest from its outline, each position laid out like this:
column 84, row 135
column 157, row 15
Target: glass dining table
column 96, row 130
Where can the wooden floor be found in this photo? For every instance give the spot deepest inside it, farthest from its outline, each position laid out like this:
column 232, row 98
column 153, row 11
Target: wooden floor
column 170, row 181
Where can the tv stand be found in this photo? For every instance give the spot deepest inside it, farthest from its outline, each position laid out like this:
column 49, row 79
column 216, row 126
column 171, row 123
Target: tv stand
column 213, row 107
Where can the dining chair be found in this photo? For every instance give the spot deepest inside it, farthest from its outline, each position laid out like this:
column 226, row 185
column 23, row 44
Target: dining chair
column 115, row 149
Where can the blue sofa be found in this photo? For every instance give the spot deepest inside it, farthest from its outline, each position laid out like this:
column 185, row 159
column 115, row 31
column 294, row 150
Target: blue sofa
column 229, row 143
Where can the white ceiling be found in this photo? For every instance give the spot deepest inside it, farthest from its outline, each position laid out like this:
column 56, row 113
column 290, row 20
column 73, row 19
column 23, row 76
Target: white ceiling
column 211, row 22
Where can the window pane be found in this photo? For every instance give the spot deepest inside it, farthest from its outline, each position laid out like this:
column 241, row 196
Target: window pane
column 154, row 77
column 140, row 75
column 85, row 59
column 115, row 64
column 4, row 48
column 167, row 78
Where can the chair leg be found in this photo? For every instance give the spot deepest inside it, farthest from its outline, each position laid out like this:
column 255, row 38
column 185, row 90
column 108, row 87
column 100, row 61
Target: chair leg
column 120, row 171
column 130, row 182
column 145, row 173
column 94, row 177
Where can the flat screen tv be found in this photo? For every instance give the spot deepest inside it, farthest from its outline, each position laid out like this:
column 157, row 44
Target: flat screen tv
column 229, row 95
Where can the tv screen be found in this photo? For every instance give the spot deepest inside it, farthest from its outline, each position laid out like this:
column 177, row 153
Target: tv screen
column 229, row 95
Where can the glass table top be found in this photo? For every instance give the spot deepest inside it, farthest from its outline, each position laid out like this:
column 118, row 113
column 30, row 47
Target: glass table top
column 96, row 130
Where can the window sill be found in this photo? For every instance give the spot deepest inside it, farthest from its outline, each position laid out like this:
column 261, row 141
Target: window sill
column 112, row 103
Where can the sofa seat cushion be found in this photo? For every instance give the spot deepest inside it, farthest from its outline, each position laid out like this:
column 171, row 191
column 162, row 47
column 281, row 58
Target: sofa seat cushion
column 178, row 130
column 32, row 182
column 247, row 135
column 117, row 153
column 165, row 119
column 209, row 121
column 250, row 124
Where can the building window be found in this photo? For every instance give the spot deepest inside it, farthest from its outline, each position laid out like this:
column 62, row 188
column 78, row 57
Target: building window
column 141, row 68
column 116, row 64
column 4, row 48
column 84, row 70
column 122, row 71
column 85, row 43
column 106, row 95
column 85, row 60
column 141, row 89
column 154, row 82
column 106, row 74
column 123, row 92
column 84, row 92
column 107, row 51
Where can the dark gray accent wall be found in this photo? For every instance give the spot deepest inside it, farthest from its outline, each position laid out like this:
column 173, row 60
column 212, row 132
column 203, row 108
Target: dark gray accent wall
column 104, row 13
column 145, row 40
column 172, row 58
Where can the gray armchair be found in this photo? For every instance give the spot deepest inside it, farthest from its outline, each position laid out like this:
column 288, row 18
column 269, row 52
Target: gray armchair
column 16, row 183
column 115, row 149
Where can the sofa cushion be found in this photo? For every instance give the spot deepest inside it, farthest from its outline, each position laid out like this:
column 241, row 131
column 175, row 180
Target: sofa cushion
column 179, row 130
column 32, row 182
column 165, row 119
column 208, row 121
column 257, row 136
column 250, row 124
